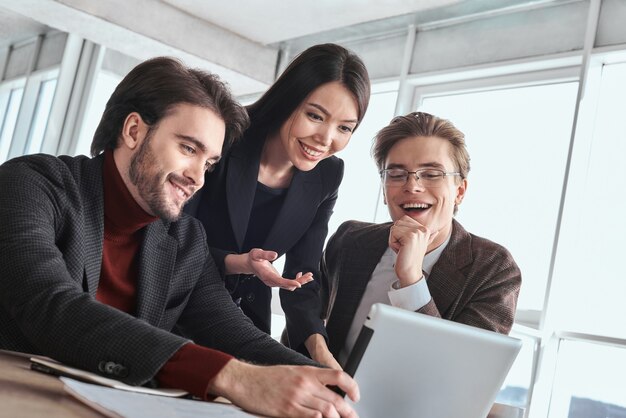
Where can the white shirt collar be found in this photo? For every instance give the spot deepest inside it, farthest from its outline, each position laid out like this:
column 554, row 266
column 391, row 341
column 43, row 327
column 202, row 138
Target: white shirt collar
column 431, row 258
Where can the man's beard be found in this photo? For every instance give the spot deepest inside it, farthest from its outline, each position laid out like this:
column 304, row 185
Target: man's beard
column 145, row 173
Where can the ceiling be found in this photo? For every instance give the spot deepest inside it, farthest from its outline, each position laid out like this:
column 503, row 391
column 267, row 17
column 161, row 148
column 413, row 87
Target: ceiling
column 264, row 22
column 238, row 39
column 15, row 27
column 271, row 21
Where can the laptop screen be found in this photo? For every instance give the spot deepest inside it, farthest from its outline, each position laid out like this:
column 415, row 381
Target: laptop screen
column 412, row 365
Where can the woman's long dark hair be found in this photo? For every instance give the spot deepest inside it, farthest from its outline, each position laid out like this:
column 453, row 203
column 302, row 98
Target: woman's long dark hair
column 317, row 65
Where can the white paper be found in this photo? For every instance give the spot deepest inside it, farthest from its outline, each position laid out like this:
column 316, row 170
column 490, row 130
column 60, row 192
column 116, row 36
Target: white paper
column 139, row 405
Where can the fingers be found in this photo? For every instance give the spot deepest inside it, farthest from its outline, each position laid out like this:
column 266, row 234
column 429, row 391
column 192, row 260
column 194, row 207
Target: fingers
column 323, row 406
column 264, row 270
column 348, row 385
column 290, row 285
column 276, row 280
column 342, row 380
column 409, row 223
column 298, row 282
column 394, row 241
column 404, row 230
column 304, row 278
column 317, row 408
column 326, row 401
column 286, row 391
column 259, row 254
column 268, row 275
column 304, row 412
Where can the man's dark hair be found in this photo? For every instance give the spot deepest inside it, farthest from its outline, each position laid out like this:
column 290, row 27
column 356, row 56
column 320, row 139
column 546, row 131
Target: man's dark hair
column 154, row 87
column 319, row 64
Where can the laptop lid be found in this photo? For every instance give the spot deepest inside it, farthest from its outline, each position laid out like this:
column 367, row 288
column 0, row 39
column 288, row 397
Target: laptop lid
column 413, row 365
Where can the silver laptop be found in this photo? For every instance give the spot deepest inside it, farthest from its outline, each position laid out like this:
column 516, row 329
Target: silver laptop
column 410, row 365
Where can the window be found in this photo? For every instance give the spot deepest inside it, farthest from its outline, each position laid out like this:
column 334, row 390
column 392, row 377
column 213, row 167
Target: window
column 104, row 87
column 25, row 105
column 516, row 387
column 589, row 381
column 589, row 279
column 518, row 147
column 9, row 109
column 40, row 117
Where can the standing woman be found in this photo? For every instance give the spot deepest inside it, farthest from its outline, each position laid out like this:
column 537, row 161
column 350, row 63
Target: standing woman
column 275, row 189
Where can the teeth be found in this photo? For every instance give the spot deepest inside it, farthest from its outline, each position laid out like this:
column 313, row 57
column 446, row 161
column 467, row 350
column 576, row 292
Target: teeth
column 311, row 152
column 181, row 192
column 415, row 206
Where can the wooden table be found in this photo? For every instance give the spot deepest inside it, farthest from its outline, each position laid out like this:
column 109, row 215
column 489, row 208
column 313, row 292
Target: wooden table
column 25, row 393
column 28, row 394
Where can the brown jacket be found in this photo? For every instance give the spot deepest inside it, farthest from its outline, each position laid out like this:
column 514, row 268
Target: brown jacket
column 475, row 281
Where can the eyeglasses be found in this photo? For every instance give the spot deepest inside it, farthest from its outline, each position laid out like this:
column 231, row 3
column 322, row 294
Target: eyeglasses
column 427, row 177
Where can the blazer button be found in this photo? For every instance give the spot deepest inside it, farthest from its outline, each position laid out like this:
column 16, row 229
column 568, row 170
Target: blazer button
column 120, row 370
column 113, row 368
column 250, row 297
column 107, row 367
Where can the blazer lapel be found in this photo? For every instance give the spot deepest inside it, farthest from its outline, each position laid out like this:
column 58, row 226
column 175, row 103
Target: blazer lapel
column 297, row 212
column 156, row 268
column 446, row 281
column 357, row 263
column 241, row 181
column 93, row 198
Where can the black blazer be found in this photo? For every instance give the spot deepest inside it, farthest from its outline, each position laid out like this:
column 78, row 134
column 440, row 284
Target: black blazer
column 475, row 281
column 51, row 238
column 301, row 226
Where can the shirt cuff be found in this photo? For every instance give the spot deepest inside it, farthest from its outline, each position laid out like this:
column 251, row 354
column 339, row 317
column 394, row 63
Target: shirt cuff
column 191, row 368
column 412, row 297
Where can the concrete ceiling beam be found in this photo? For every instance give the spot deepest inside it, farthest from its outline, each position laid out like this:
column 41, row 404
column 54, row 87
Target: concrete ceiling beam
column 148, row 28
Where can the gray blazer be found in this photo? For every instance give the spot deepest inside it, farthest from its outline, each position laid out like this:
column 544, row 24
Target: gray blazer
column 475, row 281
column 51, row 237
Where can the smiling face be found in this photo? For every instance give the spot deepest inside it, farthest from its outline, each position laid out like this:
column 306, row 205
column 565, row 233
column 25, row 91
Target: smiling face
column 432, row 207
column 168, row 162
column 320, row 127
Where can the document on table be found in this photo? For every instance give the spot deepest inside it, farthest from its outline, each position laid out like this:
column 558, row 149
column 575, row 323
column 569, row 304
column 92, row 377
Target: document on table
column 117, row 403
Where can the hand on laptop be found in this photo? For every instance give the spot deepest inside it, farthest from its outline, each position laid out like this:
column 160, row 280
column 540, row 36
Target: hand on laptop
column 318, row 349
column 409, row 239
column 285, row 391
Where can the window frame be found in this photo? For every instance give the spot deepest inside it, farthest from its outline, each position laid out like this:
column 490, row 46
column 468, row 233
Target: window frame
column 28, row 107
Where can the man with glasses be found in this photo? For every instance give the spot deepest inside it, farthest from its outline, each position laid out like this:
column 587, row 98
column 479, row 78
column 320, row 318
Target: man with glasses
column 423, row 260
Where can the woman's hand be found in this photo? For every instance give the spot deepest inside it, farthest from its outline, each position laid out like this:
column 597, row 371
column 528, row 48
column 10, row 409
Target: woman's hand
column 317, row 348
column 259, row 263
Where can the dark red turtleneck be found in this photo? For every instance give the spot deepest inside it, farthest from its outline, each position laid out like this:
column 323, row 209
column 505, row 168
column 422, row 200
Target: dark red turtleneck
column 124, row 221
column 193, row 366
